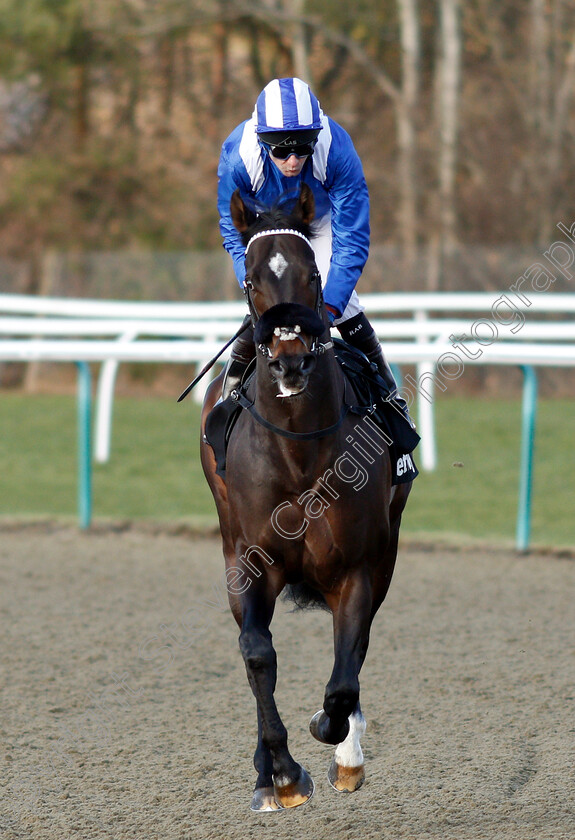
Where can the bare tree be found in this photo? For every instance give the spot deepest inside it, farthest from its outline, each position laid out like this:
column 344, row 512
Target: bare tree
column 293, row 33
column 539, row 98
column 447, row 88
column 552, row 80
column 406, row 105
column 300, row 50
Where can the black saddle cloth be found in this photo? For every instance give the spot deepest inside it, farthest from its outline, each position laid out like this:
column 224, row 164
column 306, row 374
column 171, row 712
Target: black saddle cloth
column 372, row 399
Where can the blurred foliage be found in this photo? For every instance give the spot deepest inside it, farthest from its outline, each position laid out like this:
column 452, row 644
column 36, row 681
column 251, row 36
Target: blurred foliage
column 105, row 199
column 130, row 101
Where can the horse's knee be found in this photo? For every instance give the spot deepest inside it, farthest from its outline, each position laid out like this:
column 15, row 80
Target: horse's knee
column 257, row 650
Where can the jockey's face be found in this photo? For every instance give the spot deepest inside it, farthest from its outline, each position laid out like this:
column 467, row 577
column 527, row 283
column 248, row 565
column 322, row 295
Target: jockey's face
column 291, row 166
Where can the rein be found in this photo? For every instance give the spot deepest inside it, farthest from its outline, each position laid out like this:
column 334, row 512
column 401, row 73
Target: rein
column 240, row 396
column 246, row 403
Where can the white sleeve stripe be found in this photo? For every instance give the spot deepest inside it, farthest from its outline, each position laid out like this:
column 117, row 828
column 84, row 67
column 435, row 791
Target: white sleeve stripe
column 250, row 154
column 321, row 151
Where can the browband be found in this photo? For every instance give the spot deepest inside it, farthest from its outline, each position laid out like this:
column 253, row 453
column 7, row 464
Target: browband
column 274, row 233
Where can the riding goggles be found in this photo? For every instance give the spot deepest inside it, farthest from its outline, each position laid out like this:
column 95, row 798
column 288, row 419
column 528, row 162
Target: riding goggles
column 284, row 152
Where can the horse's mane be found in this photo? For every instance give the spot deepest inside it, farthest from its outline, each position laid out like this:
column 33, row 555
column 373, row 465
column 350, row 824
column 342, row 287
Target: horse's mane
column 269, row 217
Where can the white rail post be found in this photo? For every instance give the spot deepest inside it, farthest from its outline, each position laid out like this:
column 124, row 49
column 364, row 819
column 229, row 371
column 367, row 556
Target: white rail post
column 425, row 409
column 199, row 391
column 105, row 405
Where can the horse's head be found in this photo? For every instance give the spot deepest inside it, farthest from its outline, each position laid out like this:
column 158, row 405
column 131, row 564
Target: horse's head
column 283, row 286
column 280, row 262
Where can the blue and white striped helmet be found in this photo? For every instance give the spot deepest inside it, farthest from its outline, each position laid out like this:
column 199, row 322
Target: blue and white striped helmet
column 287, row 105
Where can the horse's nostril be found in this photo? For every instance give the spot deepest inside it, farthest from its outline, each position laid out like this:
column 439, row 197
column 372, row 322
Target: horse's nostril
column 277, row 367
column 285, row 366
column 307, row 364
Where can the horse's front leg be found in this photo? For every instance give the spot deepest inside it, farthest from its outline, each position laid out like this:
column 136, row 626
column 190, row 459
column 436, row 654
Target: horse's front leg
column 280, row 779
column 341, row 721
column 346, row 771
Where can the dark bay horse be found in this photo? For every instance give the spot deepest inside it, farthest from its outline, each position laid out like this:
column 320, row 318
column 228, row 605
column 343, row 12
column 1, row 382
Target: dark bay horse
column 299, row 507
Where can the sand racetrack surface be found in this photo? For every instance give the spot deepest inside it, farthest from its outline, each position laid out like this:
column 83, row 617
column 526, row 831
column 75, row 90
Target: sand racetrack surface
column 126, row 712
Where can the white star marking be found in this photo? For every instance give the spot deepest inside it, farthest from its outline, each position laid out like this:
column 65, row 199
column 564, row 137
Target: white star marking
column 278, row 265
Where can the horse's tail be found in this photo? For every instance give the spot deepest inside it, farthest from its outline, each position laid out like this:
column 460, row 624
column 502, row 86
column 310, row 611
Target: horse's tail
column 304, row 597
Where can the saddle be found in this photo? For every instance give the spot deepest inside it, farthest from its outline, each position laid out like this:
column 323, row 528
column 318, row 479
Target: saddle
column 370, row 398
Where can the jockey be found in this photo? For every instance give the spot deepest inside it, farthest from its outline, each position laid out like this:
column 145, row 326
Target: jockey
column 287, row 141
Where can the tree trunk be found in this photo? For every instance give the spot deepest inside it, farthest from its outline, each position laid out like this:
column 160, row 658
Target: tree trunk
column 300, row 56
column 448, row 79
column 539, row 90
column 558, row 64
column 406, row 132
column 81, row 104
column 167, row 83
column 219, row 67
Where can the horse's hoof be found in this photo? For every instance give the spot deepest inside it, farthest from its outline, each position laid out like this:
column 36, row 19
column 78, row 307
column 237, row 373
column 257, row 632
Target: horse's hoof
column 294, row 793
column 314, row 725
column 319, row 728
column 345, row 779
column 264, row 800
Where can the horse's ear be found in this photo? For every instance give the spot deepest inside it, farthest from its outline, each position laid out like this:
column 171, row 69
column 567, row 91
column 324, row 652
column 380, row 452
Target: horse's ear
column 241, row 216
column 305, row 207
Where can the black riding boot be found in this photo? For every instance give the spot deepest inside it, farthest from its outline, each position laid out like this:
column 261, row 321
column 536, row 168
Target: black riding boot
column 243, row 351
column 358, row 332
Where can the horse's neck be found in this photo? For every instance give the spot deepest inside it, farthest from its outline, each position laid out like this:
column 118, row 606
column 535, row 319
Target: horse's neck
column 317, row 408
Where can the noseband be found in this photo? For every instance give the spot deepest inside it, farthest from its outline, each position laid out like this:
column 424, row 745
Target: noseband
column 290, row 322
column 285, row 334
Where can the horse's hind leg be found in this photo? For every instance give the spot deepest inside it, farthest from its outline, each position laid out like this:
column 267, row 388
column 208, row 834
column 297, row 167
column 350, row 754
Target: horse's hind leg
column 291, row 785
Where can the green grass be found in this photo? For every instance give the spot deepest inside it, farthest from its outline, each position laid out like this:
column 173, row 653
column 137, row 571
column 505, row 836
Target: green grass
column 154, row 471
column 480, row 498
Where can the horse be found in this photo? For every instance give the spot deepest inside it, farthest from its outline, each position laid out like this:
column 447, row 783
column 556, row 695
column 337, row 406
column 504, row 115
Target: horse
column 296, row 512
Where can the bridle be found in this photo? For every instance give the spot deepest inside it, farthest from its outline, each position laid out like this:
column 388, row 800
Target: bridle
column 316, row 347
column 275, row 232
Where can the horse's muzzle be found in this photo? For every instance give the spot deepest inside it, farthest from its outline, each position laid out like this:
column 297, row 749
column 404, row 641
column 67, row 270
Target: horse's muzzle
column 292, row 372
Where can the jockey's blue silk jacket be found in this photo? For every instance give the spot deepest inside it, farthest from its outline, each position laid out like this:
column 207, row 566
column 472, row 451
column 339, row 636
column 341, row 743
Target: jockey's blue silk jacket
column 335, row 175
